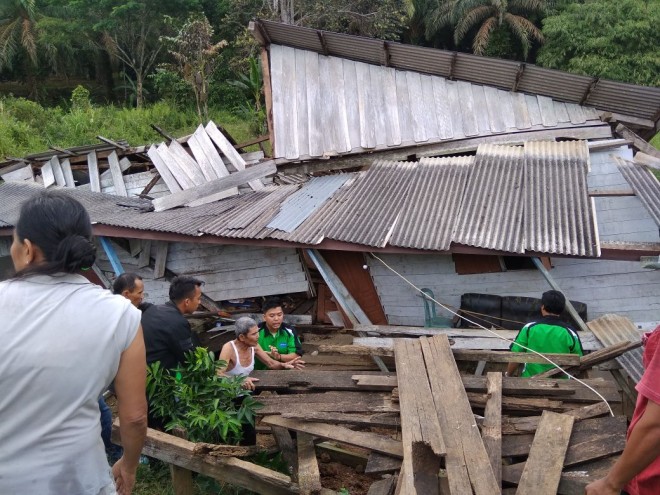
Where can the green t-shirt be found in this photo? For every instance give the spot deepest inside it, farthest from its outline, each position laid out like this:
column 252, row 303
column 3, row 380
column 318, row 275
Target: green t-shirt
column 284, row 340
column 549, row 335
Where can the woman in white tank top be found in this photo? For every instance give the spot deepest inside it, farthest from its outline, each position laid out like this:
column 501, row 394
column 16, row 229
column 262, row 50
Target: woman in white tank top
column 239, row 353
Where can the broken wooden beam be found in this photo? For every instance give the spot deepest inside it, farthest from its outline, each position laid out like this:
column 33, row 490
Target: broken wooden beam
column 491, row 429
column 594, row 358
column 309, row 477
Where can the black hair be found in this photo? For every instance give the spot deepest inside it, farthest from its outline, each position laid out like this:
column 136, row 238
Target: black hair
column 183, row 287
column 60, row 227
column 125, row 281
column 553, row 301
column 271, row 303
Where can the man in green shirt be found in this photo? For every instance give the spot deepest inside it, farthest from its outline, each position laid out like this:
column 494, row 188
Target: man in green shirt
column 548, row 335
column 278, row 340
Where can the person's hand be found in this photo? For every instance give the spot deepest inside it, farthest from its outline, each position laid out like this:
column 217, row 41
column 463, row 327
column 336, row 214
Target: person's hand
column 295, row 364
column 601, row 487
column 249, row 383
column 124, row 478
column 275, row 354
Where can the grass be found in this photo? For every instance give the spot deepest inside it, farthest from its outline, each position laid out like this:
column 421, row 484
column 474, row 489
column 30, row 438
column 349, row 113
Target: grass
column 26, row 127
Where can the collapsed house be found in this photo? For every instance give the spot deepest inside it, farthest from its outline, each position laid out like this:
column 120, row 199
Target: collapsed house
column 484, row 182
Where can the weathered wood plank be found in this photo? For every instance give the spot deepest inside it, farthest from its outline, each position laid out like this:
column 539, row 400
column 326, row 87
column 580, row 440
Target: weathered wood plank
column 287, row 111
column 423, row 445
column 547, row 108
column 382, row 487
column 213, row 190
column 163, row 169
column 175, row 167
column 160, row 259
column 145, row 254
column 187, row 163
column 346, row 402
column 376, row 74
column 212, row 154
column 57, row 171
column 338, row 418
column 228, row 150
column 117, row 176
column 309, row 477
column 380, row 463
column 302, row 118
column 314, row 116
column 180, row 452
column 200, row 155
column 23, row 174
column 596, row 357
column 67, row 172
column 517, row 426
column 366, row 106
column 442, row 114
column 390, row 107
column 491, row 429
column 546, row 458
column 371, row 441
column 470, row 126
column 467, row 450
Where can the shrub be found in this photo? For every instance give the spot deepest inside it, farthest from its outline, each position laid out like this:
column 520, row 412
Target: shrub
column 195, row 398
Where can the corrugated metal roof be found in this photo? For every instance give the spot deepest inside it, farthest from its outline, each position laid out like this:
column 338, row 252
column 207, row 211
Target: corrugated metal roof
column 612, row 329
column 628, row 99
column 370, row 214
column 492, row 208
column 328, row 106
column 428, row 218
column 559, row 214
column 644, row 183
column 301, row 204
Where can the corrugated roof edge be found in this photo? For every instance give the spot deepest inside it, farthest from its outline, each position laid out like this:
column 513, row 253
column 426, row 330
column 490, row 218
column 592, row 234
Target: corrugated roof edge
column 343, row 46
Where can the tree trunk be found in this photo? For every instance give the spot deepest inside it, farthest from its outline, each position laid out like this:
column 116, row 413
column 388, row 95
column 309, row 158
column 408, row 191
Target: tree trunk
column 138, row 89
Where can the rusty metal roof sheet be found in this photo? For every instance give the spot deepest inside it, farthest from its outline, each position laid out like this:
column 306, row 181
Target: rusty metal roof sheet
column 371, row 212
column 428, row 218
column 301, row 204
column 644, row 183
column 612, row 329
column 559, row 214
column 628, row 99
column 324, row 105
column 492, row 208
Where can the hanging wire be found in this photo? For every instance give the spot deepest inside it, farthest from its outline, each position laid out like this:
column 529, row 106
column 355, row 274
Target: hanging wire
column 570, row 377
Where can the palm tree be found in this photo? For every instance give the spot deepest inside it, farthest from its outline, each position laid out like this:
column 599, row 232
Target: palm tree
column 17, row 31
column 487, row 16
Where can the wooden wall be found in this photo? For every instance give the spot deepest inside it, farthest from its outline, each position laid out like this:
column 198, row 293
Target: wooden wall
column 620, row 287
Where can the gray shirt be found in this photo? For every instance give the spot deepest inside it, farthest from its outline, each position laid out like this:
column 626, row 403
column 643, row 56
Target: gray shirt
column 61, row 339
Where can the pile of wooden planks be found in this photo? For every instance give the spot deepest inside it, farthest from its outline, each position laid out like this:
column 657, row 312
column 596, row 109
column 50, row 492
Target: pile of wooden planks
column 435, row 430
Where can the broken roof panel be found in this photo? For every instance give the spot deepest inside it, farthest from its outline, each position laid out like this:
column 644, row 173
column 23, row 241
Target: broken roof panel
column 371, row 212
column 559, row 214
column 492, row 209
column 644, row 183
column 324, row 106
column 301, row 204
column 429, row 216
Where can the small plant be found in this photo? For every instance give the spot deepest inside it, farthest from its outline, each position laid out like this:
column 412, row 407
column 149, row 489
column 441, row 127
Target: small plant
column 80, row 98
column 193, row 397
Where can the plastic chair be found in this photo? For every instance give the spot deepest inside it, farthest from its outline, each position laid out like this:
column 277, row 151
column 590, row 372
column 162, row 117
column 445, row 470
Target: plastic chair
column 431, row 319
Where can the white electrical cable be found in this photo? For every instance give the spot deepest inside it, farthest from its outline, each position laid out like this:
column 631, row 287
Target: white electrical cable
column 571, row 377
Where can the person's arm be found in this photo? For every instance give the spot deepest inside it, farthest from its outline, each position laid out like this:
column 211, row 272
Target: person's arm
column 521, row 338
column 294, row 350
column 512, row 369
column 226, row 355
column 130, row 385
column 181, row 340
column 642, row 448
column 295, row 362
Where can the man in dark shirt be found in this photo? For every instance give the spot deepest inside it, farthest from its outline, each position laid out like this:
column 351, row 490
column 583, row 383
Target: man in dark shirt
column 167, row 334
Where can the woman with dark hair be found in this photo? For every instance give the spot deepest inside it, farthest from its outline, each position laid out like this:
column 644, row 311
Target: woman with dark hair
column 64, row 340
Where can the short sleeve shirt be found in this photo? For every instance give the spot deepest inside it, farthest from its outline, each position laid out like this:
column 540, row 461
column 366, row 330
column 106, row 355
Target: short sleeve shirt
column 62, row 339
column 284, row 340
column 648, row 481
column 549, row 335
column 167, row 335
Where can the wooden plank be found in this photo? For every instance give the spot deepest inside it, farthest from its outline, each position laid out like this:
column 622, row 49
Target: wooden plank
column 211, row 191
column 182, row 480
column 366, row 106
column 376, row 74
column 519, row 405
column 520, row 111
column 160, row 259
column 287, row 447
column 380, row 464
column 517, row 426
column 211, row 152
column 417, row 110
column 491, row 429
column 648, row 160
column 506, row 105
column 423, row 445
column 546, row 458
column 301, row 103
column 596, row 357
column 390, row 107
column 575, row 113
column 371, row 441
column 186, row 163
column 228, row 150
column 470, row 127
column 337, row 418
column 533, row 110
column 465, row 448
column 403, row 107
column 561, row 112
column 199, row 153
column 117, row 177
column 442, row 114
column 145, row 254
column 343, row 456
column 23, row 174
column 382, row 487
column 346, row 402
column 547, row 108
column 286, row 94
column 309, row 477
column 352, row 105
column 314, row 116
column 163, row 169
column 173, row 450
column 493, row 109
column 482, row 114
column 68, row 174
column 637, row 141
column 57, row 171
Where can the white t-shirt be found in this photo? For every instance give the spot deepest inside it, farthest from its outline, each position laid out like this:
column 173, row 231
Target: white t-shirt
column 61, row 339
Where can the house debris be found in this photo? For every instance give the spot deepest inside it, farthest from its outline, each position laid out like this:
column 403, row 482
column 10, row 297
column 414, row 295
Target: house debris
column 399, row 176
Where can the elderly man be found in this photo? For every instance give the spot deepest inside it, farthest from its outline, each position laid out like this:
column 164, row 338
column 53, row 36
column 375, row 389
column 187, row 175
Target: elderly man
column 549, row 334
column 131, row 286
column 278, row 340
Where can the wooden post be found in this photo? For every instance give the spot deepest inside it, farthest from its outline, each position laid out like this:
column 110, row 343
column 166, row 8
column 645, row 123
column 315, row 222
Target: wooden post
column 309, row 477
column 491, row 430
column 182, row 482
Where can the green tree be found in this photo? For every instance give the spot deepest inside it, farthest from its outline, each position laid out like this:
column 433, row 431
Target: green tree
column 489, row 16
column 617, row 40
column 17, row 31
